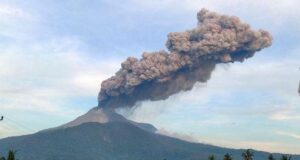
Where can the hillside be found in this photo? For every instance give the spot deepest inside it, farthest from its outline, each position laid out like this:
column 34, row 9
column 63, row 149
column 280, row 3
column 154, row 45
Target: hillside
column 110, row 141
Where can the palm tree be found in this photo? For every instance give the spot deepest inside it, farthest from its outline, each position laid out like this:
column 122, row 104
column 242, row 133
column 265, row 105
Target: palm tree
column 248, row 155
column 11, row 155
column 211, row 157
column 286, row 157
column 227, row 156
column 271, row 157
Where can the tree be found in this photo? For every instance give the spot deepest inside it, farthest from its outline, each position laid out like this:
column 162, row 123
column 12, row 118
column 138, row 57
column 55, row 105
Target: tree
column 271, row 157
column 248, row 155
column 227, row 156
column 11, row 155
column 211, row 157
column 286, row 157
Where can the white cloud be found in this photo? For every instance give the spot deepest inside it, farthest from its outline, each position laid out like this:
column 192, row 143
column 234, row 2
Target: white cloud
column 43, row 78
column 38, row 77
column 269, row 146
column 262, row 145
column 288, row 134
column 269, row 14
column 185, row 137
column 285, row 116
column 10, row 11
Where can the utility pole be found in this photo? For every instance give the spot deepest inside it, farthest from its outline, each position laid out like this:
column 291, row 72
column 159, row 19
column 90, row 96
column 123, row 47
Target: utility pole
column 299, row 86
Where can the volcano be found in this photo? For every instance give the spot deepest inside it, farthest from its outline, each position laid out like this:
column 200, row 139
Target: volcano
column 105, row 135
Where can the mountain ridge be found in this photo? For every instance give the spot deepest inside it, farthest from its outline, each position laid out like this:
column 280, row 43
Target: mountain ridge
column 117, row 139
column 114, row 141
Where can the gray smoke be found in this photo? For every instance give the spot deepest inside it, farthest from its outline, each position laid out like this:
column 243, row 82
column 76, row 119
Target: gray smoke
column 192, row 58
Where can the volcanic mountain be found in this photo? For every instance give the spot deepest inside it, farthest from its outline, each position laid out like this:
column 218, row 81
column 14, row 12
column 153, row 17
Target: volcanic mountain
column 102, row 134
column 105, row 135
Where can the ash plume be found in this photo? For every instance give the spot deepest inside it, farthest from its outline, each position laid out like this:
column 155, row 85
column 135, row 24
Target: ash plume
column 192, row 56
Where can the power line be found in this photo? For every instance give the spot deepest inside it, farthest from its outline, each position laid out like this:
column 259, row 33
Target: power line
column 19, row 125
column 16, row 124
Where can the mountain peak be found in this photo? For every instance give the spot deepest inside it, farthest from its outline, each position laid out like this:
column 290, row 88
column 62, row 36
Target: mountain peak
column 101, row 115
column 98, row 115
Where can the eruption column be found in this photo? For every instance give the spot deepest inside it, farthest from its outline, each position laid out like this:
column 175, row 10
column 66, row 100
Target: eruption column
column 192, row 56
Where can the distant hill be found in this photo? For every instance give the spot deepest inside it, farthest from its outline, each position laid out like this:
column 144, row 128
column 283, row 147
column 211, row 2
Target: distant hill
column 112, row 140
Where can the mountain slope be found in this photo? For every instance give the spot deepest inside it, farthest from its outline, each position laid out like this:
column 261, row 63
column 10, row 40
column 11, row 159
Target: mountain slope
column 109, row 141
column 101, row 115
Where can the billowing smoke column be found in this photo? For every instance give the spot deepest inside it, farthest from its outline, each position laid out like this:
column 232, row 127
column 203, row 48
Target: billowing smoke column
column 192, row 58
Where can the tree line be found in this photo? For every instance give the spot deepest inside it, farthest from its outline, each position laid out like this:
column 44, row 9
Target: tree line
column 249, row 155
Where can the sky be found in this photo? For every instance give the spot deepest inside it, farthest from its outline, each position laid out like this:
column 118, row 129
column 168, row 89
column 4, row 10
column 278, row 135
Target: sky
column 54, row 55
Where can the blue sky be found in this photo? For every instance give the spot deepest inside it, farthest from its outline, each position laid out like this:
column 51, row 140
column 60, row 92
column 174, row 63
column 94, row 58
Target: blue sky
column 54, row 55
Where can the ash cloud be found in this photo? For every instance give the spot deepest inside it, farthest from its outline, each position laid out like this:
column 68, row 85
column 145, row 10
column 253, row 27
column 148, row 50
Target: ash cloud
column 192, row 57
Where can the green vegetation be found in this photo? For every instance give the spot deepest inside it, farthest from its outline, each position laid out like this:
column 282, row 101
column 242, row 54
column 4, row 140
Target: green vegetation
column 286, row 157
column 248, row 155
column 211, row 157
column 227, row 156
column 11, row 155
column 271, row 157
